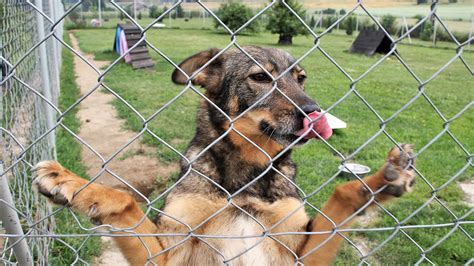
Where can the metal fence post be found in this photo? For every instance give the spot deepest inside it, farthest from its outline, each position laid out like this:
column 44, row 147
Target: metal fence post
column 47, row 89
column 99, row 7
column 11, row 222
column 54, row 46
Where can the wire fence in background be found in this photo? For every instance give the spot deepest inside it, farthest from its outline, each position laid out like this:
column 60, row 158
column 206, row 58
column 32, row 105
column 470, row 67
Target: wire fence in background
column 30, row 49
column 30, row 85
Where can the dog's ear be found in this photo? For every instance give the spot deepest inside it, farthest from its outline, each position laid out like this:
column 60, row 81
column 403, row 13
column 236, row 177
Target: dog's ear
column 209, row 77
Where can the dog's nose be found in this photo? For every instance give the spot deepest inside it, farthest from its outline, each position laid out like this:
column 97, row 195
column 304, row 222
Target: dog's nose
column 309, row 108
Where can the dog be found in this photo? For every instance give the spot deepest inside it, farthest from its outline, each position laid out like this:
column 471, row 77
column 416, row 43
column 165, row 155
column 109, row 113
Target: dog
column 238, row 179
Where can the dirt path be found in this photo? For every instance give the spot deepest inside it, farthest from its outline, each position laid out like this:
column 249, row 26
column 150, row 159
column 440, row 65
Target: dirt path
column 104, row 131
column 468, row 188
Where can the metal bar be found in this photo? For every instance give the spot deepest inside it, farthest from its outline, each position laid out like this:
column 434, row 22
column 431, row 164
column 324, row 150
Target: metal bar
column 11, row 222
column 47, row 89
column 405, row 23
column 100, row 12
column 54, row 45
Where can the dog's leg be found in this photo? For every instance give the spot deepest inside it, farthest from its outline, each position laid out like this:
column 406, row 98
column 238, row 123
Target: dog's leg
column 102, row 204
column 351, row 196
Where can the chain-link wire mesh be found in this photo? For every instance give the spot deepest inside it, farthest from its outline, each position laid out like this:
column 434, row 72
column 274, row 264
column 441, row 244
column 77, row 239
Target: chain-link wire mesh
column 25, row 113
column 30, row 54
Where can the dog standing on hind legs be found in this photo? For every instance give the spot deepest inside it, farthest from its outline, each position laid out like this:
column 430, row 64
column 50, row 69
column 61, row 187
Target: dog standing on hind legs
column 233, row 82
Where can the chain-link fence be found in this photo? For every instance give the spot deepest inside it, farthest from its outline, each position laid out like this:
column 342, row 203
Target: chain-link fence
column 30, row 57
column 30, row 62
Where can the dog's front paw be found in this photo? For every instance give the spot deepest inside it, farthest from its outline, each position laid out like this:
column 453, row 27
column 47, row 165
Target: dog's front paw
column 52, row 181
column 398, row 172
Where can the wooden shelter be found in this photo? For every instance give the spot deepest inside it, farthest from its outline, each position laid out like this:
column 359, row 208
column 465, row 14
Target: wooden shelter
column 371, row 41
column 127, row 35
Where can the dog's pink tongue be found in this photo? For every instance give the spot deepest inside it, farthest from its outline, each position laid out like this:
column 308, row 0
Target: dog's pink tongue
column 321, row 126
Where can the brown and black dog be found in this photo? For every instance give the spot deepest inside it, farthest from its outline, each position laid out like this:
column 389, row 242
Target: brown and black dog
column 233, row 82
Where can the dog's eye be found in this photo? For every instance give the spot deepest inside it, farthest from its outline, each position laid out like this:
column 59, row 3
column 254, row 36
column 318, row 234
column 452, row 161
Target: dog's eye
column 301, row 78
column 261, row 77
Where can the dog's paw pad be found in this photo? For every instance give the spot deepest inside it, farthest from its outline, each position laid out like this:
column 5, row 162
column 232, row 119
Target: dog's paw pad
column 398, row 171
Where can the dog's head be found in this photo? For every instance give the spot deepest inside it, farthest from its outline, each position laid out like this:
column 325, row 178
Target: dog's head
column 234, row 82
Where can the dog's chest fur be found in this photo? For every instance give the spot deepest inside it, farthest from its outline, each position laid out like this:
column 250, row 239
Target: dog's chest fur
column 232, row 230
column 208, row 188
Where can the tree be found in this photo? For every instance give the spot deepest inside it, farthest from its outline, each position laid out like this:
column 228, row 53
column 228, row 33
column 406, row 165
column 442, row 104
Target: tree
column 129, row 11
column 328, row 21
column 234, row 15
column 164, row 10
column 388, row 22
column 312, row 23
column 416, row 32
column 153, row 12
column 350, row 24
column 180, row 12
column 329, row 11
column 282, row 21
column 427, row 31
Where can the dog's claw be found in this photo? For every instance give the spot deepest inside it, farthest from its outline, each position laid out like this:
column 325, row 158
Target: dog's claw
column 48, row 183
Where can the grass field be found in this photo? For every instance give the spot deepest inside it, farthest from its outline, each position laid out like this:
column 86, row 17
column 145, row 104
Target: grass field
column 387, row 89
column 69, row 155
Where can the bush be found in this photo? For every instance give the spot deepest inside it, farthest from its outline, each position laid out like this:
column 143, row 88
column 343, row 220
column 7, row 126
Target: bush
column 366, row 24
column 416, row 31
column 442, row 35
column 461, row 36
column 389, row 23
column 328, row 21
column 128, row 9
column 350, row 24
column 195, row 14
column 76, row 21
column 312, row 22
column 427, row 31
column 284, row 23
column 153, row 12
column 179, row 12
column 164, row 10
column 234, row 15
column 139, row 15
column 329, row 11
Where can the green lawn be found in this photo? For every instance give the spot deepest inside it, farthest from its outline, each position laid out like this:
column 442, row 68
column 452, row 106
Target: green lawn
column 69, row 155
column 387, row 89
